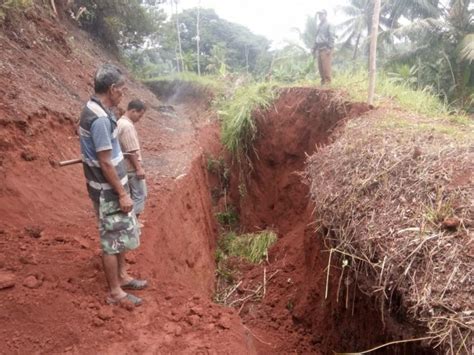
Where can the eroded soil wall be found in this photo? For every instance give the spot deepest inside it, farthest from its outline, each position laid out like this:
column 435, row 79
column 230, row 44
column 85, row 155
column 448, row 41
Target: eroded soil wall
column 295, row 314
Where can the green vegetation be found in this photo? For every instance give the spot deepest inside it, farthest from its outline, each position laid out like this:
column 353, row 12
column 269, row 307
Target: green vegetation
column 252, row 247
column 420, row 101
column 13, row 5
column 121, row 24
column 425, row 46
column 224, row 46
column 229, row 218
column 238, row 125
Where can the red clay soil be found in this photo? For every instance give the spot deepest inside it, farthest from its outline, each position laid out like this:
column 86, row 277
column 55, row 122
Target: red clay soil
column 52, row 288
column 294, row 316
column 52, row 285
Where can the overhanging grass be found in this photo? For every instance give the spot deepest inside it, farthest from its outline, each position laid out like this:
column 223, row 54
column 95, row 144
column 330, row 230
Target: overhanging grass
column 252, row 247
column 238, row 126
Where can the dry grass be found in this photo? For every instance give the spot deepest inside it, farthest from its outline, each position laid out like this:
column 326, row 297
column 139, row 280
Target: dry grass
column 232, row 250
column 384, row 200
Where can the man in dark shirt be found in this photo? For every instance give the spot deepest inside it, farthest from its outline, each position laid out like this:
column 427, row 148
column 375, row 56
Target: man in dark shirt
column 323, row 47
column 107, row 182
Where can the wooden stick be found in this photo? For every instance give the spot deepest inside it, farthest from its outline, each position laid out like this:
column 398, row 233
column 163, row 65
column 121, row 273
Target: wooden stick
column 70, row 162
column 264, row 281
column 79, row 160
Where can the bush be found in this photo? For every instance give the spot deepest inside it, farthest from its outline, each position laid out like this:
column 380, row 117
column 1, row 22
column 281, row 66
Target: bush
column 12, row 5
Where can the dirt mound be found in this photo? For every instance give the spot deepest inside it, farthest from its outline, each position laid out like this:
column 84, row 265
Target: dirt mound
column 398, row 202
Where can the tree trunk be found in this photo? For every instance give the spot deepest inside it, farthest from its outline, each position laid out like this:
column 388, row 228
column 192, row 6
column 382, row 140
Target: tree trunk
column 198, row 39
column 373, row 52
column 247, row 59
column 356, row 48
column 180, row 50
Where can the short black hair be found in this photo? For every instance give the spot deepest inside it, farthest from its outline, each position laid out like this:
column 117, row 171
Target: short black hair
column 136, row 105
column 106, row 76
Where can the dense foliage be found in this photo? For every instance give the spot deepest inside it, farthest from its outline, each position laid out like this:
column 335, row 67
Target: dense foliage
column 224, row 46
column 121, row 24
column 423, row 44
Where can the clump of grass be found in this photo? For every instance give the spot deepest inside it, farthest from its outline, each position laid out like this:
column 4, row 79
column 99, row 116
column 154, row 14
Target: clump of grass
column 228, row 218
column 252, row 247
column 238, row 125
column 420, row 101
column 12, row 5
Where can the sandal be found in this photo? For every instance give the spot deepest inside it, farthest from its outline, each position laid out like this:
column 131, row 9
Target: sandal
column 135, row 284
column 136, row 301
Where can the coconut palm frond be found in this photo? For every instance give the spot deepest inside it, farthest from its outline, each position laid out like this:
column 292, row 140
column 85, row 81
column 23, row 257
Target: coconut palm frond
column 409, row 54
column 467, row 48
column 428, row 24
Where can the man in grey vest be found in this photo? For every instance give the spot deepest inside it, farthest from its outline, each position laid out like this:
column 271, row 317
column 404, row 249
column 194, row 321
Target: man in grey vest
column 107, row 183
column 323, row 47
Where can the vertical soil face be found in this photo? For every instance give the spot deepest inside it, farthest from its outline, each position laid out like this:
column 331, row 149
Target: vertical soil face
column 294, row 314
column 301, row 119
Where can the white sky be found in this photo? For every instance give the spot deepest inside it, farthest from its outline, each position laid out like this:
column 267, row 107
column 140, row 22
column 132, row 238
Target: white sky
column 272, row 18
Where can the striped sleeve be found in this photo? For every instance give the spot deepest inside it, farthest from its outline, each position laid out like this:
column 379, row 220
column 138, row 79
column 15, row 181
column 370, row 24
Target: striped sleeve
column 100, row 133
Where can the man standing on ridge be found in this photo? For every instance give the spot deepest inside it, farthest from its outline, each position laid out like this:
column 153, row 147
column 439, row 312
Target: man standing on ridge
column 107, row 183
column 128, row 139
column 323, row 47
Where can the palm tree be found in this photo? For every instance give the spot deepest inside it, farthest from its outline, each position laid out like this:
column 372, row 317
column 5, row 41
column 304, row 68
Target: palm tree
column 359, row 22
column 445, row 37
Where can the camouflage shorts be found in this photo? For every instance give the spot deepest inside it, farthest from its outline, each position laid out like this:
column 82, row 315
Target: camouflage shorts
column 119, row 232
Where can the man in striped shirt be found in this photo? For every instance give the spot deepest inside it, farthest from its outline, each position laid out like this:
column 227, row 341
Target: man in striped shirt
column 130, row 144
column 107, row 182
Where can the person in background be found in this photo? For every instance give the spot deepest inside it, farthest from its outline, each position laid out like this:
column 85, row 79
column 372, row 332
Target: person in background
column 107, row 183
column 130, row 144
column 323, row 47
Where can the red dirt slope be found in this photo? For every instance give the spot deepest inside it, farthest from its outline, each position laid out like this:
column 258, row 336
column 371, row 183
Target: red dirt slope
column 48, row 237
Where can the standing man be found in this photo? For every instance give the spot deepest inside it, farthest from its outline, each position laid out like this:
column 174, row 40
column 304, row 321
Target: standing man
column 107, row 183
column 323, row 47
column 128, row 139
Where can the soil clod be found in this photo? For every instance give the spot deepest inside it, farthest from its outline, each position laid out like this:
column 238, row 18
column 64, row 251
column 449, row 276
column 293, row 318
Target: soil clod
column 32, row 282
column 7, row 280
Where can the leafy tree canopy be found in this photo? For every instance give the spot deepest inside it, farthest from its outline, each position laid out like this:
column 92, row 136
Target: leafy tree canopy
column 121, row 24
column 221, row 42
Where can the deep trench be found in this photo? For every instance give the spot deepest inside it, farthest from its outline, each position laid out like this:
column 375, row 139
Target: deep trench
column 278, row 198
